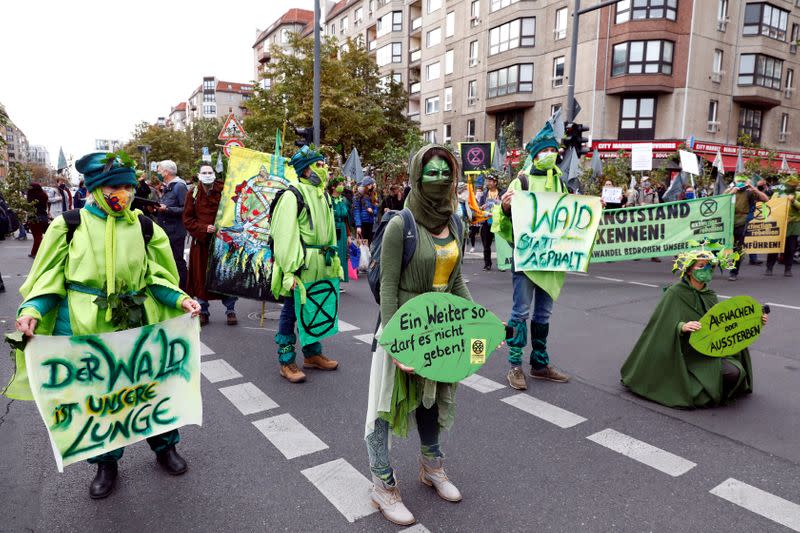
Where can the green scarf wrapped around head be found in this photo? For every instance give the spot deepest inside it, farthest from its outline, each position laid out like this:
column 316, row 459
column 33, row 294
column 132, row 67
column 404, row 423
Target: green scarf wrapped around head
column 431, row 209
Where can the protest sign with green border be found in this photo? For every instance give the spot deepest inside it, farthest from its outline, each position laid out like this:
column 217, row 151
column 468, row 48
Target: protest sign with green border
column 318, row 317
column 97, row 393
column 766, row 232
column 443, row 337
column 663, row 229
column 729, row 327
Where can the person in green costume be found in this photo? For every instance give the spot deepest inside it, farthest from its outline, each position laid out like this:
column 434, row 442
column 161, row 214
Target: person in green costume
column 539, row 288
column 341, row 216
column 398, row 399
column 106, row 255
column 663, row 366
column 788, row 189
column 305, row 251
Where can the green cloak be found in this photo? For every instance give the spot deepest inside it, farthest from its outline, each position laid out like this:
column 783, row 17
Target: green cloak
column 664, row 368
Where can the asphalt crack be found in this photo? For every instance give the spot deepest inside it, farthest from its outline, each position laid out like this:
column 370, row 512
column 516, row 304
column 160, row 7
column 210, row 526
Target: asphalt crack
column 8, row 409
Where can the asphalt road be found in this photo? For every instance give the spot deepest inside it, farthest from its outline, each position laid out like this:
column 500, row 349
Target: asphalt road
column 591, row 458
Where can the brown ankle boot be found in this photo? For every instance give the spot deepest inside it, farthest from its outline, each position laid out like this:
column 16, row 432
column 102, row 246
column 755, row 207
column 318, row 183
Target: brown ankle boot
column 292, row 373
column 320, row 362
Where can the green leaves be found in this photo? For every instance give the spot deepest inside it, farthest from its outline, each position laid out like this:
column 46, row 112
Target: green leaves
column 16, row 340
column 127, row 308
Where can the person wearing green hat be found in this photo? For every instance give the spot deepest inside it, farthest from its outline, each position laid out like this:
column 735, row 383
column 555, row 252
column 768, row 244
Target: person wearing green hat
column 304, row 252
column 788, row 189
column 102, row 249
column 534, row 291
column 746, row 198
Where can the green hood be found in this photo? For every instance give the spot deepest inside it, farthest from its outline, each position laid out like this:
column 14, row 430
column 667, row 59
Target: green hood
column 431, row 214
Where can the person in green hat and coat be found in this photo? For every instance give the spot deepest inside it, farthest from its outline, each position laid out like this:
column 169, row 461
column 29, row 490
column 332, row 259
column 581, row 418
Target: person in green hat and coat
column 100, row 250
column 304, row 252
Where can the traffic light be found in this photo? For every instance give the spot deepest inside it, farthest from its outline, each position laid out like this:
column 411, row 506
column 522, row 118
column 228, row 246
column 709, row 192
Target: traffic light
column 304, row 136
column 573, row 136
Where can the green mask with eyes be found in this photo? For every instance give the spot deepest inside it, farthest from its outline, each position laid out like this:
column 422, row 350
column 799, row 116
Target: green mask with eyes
column 436, row 170
column 703, row 275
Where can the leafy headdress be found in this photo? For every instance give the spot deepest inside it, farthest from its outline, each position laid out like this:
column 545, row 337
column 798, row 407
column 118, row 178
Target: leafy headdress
column 713, row 252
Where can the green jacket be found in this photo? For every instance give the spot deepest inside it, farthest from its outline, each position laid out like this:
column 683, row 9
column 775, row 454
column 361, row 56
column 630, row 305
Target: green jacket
column 550, row 281
column 664, row 368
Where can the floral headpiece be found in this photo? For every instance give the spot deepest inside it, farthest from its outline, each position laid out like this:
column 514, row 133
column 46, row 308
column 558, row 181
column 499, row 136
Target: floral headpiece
column 713, row 252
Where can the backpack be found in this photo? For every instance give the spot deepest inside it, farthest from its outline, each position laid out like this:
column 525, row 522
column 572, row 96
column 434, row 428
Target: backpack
column 409, row 245
column 73, row 220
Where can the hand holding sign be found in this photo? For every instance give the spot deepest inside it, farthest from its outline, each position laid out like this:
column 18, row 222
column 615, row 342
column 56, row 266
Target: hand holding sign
column 729, row 327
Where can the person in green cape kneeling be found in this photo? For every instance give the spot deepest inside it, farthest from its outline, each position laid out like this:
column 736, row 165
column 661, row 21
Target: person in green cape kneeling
column 398, row 397
column 100, row 250
column 663, row 366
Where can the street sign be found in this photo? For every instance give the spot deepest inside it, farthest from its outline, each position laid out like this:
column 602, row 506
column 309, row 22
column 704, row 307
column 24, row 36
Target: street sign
column 231, row 130
column 230, row 144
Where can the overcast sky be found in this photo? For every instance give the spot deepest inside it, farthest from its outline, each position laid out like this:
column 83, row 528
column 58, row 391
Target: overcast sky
column 78, row 70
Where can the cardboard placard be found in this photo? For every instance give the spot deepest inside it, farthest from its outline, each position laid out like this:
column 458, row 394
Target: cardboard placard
column 729, row 327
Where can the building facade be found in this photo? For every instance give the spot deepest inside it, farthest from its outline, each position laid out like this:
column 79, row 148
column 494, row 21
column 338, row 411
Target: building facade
column 277, row 34
column 177, row 117
column 217, row 99
column 39, row 155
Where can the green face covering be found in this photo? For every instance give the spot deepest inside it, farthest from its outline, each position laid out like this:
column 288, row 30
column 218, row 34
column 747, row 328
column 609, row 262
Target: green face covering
column 159, row 176
column 703, row 275
column 340, row 189
column 436, row 170
column 545, row 161
column 432, row 198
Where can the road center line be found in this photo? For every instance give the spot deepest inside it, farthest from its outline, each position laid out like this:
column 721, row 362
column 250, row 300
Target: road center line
column 643, row 284
column 609, row 279
column 481, row 384
column 291, row 437
column 218, row 370
column 760, row 502
column 248, row 398
column 661, row 460
column 784, row 306
column 344, row 486
column 546, row 411
column 366, row 338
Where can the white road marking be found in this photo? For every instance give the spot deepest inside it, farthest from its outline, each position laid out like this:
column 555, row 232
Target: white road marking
column 724, row 297
column 218, row 370
column 365, row 338
column 417, row 528
column 346, row 326
column 248, row 398
column 481, row 384
column 783, row 305
column 643, row 284
column 546, row 411
column 344, row 486
column 760, row 502
column 291, row 437
column 661, row 460
column 205, row 350
column 608, row 279
column 578, row 273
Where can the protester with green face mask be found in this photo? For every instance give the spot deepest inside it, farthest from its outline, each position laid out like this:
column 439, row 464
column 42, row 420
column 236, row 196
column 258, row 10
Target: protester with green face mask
column 663, row 366
column 788, row 189
column 341, row 217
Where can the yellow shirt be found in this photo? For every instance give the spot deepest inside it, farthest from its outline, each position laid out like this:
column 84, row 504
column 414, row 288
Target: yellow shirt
column 446, row 259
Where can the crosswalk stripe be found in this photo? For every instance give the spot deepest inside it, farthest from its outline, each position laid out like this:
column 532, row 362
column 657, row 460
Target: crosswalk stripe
column 344, row 486
column 346, row 326
column 365, row 338
column 248, row 398
column 218, row 370
column 546, row 411
column 760, row 502
column 481, row 384
column 647, row 454
column 205, row 350
column 291, row 437
column 417, row 528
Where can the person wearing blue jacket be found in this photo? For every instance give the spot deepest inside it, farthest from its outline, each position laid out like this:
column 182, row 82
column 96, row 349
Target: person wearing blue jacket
column 365, row 209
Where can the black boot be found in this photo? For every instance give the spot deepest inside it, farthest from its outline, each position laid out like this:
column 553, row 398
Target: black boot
column 170, row 461
column 103, row 482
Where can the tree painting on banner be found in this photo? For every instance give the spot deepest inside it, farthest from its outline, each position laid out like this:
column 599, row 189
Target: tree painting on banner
column 97, row 393
column 554, row 231
column 240, row 259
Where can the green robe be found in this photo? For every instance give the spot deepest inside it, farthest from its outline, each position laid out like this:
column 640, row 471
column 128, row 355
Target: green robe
column 83, row 261
column 341, row 214
column 290, row 232
column 550, row 281
column 664, row 368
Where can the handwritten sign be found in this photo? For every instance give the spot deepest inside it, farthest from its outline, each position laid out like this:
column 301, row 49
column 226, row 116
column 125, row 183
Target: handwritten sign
column 442, row 337
column 729, row 327
column 97, row 393
column 642, row 156
column 766, row 232
column 554, row 231
column 612, row 195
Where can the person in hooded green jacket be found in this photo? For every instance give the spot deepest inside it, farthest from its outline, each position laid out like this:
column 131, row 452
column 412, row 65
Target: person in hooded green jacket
column 106, row 255
column 664, row 367
column 305, row 252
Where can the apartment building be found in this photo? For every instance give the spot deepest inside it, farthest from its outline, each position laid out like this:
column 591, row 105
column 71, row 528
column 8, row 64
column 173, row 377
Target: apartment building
column 177, row 117
column 16, row 145
column 277, row 34
column 217, row 99
column 39, row 155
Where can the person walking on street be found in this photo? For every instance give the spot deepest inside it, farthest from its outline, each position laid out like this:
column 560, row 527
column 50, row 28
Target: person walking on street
column 487, row 201
column 341, row 216
column 199, row 214
column 364, row 209
column 746, row 198
column 39, row 221
column 393, row 201
column 788, row 190
column 170, row 213
column 79, row 200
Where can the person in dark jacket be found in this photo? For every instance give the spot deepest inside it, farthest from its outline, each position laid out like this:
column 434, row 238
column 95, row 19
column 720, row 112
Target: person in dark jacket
column 38, row 223
column 364, row 209
column 170, row 213
column 79, row 200
column 393, row 201
column 487, row 200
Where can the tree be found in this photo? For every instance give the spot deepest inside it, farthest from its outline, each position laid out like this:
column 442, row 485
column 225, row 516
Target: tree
column 391, row 161
column 15, row 188
column 164, row 144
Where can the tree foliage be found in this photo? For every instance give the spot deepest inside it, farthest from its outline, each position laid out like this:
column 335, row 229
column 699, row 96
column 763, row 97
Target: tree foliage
column 14, row 189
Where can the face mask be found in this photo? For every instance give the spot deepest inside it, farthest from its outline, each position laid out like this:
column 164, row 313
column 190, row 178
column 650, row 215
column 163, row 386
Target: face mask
column 436, row 171
column 206, row 179
column 340, row 189
column 159, row 176
column 118, row 200
column 703, row 275
column 689, row 195
column 741, row 185
column 545, row 160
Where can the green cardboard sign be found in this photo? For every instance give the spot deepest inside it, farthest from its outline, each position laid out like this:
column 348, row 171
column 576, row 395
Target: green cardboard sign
column 319, row 316
column 442, row 337
column 504, row 254
column 729, row 327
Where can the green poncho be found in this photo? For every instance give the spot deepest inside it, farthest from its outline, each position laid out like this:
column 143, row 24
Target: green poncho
column 664, row 368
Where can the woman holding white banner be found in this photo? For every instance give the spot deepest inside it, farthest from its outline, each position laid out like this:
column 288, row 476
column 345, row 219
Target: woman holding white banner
column 100, row 269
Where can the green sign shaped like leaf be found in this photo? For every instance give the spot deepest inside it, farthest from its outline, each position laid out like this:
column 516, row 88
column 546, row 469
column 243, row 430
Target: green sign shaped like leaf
column 443, row 337
column 729, row 327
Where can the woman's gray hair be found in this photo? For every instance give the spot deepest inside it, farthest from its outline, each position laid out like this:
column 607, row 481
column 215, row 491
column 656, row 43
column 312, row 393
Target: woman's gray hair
column 169, row 166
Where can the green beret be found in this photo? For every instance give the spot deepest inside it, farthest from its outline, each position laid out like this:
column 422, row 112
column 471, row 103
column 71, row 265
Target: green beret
column 544, row 139
column 304, row 158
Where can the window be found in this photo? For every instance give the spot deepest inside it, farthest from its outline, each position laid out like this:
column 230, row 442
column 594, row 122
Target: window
column 209, row 110
column 433, row 37
column 389, row 22
column 765, row 19
column 758, row 69
column 208, row 97
column 285, row 36
column 448, row 98
column 474, row 13
column 716, row 67
column 470, row 129
column 750, row 123
column 431, row 105
column 793, row 39
column 642, row 57
column 358, row 16
column 432, row 71
column 514, row 34
column 494, row 5
column 784, row 127
column 637, row 118
column 472, row 92
column 554, row 108
column 429, row 136
column 344, row 24
column 449, row 56
column 560, row 31
column 450, row 24
column 789, row 82
column 509, row 80
column 447, row 133
column 473, row 53
column 387, row 80
column 713, row 107
column 433, row 5
column 722, row 11
column 332, row 29
column 558, row 71
column 646, row 9
column 390, row 53
column 208, row 85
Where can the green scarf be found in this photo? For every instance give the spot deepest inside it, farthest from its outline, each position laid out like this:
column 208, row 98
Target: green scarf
column 431, row 213
column 111, row 239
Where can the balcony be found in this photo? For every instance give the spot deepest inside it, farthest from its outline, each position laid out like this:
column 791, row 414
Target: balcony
column 416, row 26
column 372, row 45
column 414, row 116
column 414, row 89
column 263, row 56
column 756, row 96
column 641, row 83
column 414, row 56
